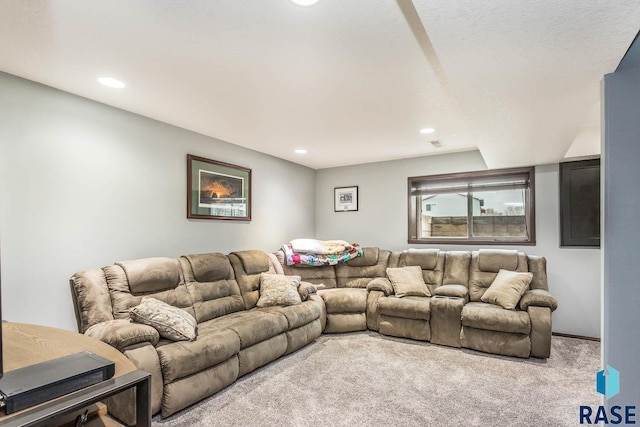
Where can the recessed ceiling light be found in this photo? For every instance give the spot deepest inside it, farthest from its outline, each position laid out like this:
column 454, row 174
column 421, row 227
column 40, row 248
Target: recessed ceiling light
column 427, row 130
column 111, row 82
column 300, row 151
column 305, row 2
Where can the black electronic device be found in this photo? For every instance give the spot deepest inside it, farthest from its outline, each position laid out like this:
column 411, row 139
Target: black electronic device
column 31, row 385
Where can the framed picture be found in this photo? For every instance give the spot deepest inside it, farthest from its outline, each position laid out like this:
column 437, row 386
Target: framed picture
column 345, row 199
column 217, row 190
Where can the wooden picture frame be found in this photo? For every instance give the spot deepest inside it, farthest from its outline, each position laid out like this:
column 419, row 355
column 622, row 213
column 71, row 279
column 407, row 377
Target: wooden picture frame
column 345, row 199
column 217, row 190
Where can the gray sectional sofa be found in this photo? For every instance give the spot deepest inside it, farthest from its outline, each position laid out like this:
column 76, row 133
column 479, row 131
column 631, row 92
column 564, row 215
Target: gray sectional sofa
column 236, row 336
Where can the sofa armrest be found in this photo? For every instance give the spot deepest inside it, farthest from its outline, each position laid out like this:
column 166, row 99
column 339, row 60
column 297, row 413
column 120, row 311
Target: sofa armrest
column 381, row 284
column 122, row 333
column 459, row 291
column 305, row 289
column 538, row 298
column 145, row 357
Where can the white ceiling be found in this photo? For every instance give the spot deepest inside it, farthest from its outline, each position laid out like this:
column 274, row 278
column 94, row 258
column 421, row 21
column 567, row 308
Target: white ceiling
column 352, row 81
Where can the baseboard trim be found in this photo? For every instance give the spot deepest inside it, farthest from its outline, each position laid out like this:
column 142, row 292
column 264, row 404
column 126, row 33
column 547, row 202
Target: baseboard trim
column 580, row 337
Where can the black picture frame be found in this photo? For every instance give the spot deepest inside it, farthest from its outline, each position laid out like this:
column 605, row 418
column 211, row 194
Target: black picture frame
column 345, row 199
column 580, row 204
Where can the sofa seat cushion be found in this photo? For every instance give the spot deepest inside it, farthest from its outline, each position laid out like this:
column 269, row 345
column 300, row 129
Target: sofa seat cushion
column 491, row 317
column 417, row 308
column 251, row 326
column 214, row 345
column 345, row 300
column 297, row 315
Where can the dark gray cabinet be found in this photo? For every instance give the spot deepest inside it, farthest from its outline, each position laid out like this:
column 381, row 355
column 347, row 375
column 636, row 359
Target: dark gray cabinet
column 580, row 203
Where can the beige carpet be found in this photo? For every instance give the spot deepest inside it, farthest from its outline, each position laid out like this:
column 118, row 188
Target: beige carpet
column 367, row 379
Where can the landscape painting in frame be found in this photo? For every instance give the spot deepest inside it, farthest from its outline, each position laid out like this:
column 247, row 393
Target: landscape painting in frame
column 217, row 190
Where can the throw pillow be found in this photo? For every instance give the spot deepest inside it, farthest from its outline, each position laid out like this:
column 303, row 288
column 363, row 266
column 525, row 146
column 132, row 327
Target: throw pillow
column 507, row 288
column 408, row 281
column 276, row 289
column 171, row 322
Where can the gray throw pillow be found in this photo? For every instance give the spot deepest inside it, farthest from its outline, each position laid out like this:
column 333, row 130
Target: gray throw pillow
column 507, row 289
column 171, row 322
column 276, row 289
column 408, row 281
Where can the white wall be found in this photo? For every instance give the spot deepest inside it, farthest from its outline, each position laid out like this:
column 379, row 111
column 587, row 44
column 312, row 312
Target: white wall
column 83, row 185
column 574, row 274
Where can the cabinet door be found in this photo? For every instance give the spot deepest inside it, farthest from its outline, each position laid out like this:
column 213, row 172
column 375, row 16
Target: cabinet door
column 580, row 203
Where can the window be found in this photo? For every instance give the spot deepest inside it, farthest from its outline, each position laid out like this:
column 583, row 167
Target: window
column 487, row 207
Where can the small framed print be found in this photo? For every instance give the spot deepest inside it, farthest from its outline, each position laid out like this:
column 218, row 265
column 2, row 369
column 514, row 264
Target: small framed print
column 345, row 199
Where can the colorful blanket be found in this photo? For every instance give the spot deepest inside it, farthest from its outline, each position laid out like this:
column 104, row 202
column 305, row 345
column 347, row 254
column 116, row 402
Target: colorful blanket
column 320, row 247
column 318, row 260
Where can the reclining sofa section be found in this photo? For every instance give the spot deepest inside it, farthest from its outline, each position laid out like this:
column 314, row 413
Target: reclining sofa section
column 235, row 337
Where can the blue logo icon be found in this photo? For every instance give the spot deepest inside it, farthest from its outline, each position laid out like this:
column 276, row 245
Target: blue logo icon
column 608, row 384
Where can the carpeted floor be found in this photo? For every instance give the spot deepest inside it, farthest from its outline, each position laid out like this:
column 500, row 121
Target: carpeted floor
column 367, row 379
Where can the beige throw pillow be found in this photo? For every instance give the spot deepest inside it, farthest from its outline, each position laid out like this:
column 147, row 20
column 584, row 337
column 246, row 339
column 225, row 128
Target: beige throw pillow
column 408, row 281
column 276, row 289
column 171, row 322
column 507, row 288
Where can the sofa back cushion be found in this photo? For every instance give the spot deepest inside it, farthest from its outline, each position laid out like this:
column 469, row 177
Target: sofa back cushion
column 538, row 266
column 494, row 260
column 456, row 268
column 129, row 281
column 151, row 274
column 325, row 275
column 247, row 267
column 209, row 267
column 426, row 259
column 485, row 265
column 368, row 258
column 211, row 283
column 358, row 272
column 430, row 261
column 394, row 259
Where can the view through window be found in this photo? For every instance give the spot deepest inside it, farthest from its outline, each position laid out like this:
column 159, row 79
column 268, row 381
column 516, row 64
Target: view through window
column 478, row 207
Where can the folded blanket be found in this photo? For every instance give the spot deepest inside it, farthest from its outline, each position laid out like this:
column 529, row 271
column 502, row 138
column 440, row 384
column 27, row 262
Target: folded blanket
column 320, row 247
column 296, row 258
